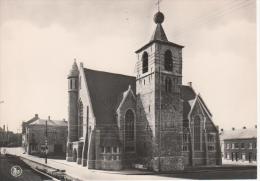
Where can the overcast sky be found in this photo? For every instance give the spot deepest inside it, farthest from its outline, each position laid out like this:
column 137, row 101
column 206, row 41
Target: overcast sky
column 40, row 38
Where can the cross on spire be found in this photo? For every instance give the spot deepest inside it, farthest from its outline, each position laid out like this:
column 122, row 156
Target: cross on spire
column 158, row 4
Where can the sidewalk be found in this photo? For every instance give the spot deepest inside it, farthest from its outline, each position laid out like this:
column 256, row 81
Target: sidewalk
column 83, row 173
column 239, row 162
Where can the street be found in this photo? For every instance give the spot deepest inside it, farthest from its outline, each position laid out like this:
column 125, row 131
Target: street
column 234, row 173
column 82, row 173
column 7, row 162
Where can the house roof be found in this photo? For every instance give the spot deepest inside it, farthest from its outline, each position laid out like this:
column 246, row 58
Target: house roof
column 32, row 119
column 49, row 122
column 239, row 134
column 106, row 91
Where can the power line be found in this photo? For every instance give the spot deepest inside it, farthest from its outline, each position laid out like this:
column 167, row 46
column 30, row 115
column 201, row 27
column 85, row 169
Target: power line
column 190, row 28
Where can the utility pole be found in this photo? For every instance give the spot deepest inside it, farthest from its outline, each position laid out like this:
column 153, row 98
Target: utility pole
column 46, row 140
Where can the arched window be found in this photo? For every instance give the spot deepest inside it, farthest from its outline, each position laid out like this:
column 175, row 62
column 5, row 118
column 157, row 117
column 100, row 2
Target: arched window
column 168, row 64
column 129, row 125
column 145, row 62
column 80, row 122
column 197, row 133
column 168, row 85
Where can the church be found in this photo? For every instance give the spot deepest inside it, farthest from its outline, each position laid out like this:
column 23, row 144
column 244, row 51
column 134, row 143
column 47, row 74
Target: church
column 150, row 120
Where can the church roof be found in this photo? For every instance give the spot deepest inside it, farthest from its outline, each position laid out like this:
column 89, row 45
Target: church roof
column 159, row 34
column 105, row 90
column 247, row 133
column 188, row 96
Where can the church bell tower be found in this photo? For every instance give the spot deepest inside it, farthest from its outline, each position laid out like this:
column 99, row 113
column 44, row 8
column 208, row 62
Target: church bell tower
column 159, row 106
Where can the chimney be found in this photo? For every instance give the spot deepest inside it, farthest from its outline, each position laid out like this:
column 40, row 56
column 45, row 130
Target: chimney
column 190, row 84
column 222, row 130
column 36, row 116
column 244, row 127
column 233, row 129
column 255, row 126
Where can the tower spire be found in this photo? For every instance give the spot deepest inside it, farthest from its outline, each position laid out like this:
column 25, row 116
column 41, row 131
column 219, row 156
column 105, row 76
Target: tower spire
column 159, row 33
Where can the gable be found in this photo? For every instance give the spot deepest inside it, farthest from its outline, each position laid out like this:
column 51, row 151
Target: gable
column 198, row 108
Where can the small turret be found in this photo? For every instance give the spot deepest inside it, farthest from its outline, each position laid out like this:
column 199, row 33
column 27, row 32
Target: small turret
column 73, row 77
column 74, row 72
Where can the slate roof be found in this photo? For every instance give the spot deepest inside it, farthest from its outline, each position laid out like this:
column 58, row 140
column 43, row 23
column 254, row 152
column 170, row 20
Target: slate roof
column 32, row 119
column 49, row 122
column 159, row 34
column 106, row 90
column 188, row 96
column 239, row 134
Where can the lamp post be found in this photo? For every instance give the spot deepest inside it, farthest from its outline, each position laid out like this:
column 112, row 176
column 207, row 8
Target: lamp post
column 2, row 141
column 46, row 140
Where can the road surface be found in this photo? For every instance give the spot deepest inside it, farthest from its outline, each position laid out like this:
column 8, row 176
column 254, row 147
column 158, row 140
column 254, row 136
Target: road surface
column 7, row 162
column 77, row 171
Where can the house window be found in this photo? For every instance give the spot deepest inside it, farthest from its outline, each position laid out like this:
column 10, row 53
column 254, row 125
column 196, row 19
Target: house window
column 108, row 157
column 228, row 146
column 102, row 149
column 242, row 145
column 168, row 85
column 108, row 149
column 114, row 149
column 129, row 125
column 211, row 148
column 145, row 62
column 197, row 134
column 185, row 148
column 168, row 64
column 233, row 145
column 250, row 145
column 113, row 157
column 228, row 156
column 80, row 125
column 236, row 145
column 243, row 156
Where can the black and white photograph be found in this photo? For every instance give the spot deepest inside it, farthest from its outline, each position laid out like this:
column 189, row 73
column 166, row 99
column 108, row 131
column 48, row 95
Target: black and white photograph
column 129, row 89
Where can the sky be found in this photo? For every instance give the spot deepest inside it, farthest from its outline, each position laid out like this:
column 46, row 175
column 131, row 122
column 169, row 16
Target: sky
column 40, row 38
